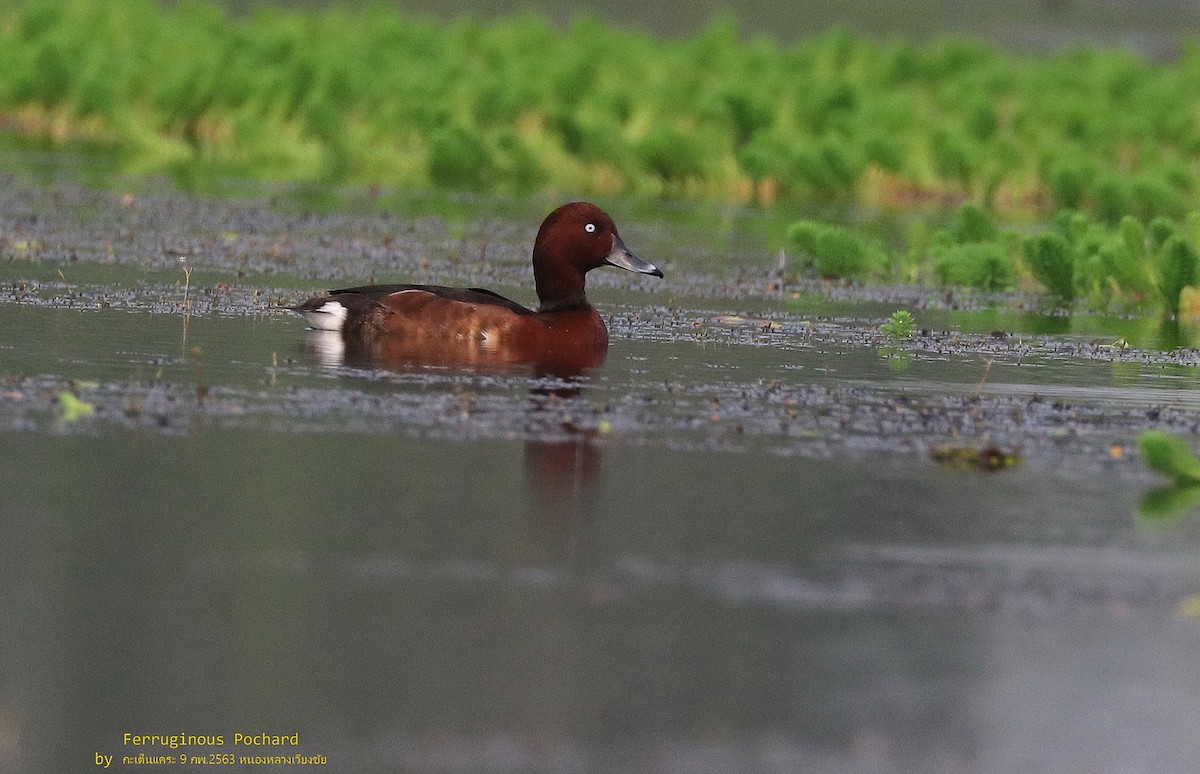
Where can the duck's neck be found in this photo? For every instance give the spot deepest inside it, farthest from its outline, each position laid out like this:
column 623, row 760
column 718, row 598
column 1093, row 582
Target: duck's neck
column 560, row 291
column 575, row 303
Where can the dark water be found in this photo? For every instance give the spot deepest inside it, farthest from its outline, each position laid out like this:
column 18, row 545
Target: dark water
column 727, row 550
column 417, row 606
column 643, row 570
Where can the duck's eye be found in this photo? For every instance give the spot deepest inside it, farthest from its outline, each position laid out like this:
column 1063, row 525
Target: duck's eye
column 590, row 228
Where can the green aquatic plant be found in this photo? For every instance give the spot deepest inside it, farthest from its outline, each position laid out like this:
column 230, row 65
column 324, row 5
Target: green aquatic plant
column 672, row 154
column 837, row 252
column 1159, row 231
column 373, row 94
column 1052, row 262
column 73, row 408
column 459, row 157
column 1133, row 235
column 1170, row 455
column 828, row 167
column 1168, row 501
column 900, row 325
column 1130, row 266
column 1176, row 263
column 955, row 158
column 981, row 265
column 1132, row 261
column 972, row 252
column 1070, row 180
column 973, row 223
column 1112, row 197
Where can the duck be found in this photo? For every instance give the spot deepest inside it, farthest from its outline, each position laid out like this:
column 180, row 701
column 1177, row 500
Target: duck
column 439, row 325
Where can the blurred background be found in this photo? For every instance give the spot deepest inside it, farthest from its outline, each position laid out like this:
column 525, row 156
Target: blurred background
column 1154, row 27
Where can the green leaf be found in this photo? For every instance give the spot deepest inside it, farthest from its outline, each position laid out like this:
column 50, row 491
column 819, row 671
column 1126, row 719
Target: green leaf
column 74, row 409
column 1170, row 455
column 899, row 326
column 1167, row 501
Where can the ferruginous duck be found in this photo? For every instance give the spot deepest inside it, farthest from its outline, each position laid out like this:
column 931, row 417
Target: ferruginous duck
column 433, row 324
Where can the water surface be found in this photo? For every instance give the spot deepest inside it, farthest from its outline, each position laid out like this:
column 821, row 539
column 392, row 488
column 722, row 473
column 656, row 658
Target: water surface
column 726, row 550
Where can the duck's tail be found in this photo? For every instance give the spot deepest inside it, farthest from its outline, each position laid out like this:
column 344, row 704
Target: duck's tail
column 324, row 313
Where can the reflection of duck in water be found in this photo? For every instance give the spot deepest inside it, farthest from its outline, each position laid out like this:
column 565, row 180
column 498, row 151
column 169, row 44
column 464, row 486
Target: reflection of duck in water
column 401, row 324
column 562, row 469
column 561, row 475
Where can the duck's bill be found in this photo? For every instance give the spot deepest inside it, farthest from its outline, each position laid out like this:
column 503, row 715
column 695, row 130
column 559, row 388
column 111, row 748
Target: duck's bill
column 623, row 258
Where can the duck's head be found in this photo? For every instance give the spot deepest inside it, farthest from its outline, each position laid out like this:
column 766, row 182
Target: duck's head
column 573, row 240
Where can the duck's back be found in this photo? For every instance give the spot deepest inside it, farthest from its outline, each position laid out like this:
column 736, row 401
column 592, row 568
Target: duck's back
column 350, row 309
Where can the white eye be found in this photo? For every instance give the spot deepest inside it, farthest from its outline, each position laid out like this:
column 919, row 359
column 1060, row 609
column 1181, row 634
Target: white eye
column 590, row 228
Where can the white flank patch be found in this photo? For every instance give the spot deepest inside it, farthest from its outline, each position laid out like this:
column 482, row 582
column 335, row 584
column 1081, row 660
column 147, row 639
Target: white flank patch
column 330, row 317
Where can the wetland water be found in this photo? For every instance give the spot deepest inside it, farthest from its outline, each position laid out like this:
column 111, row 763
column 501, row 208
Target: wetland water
column 726, row 550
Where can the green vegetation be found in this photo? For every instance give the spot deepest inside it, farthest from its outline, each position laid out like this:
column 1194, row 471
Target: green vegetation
column 375, row 95
column 1098, row 145
column 73, row 409
column 1076, row 256
column 833, row 251
column 1171, row 456
column 900, row 325
column 1052, row 263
